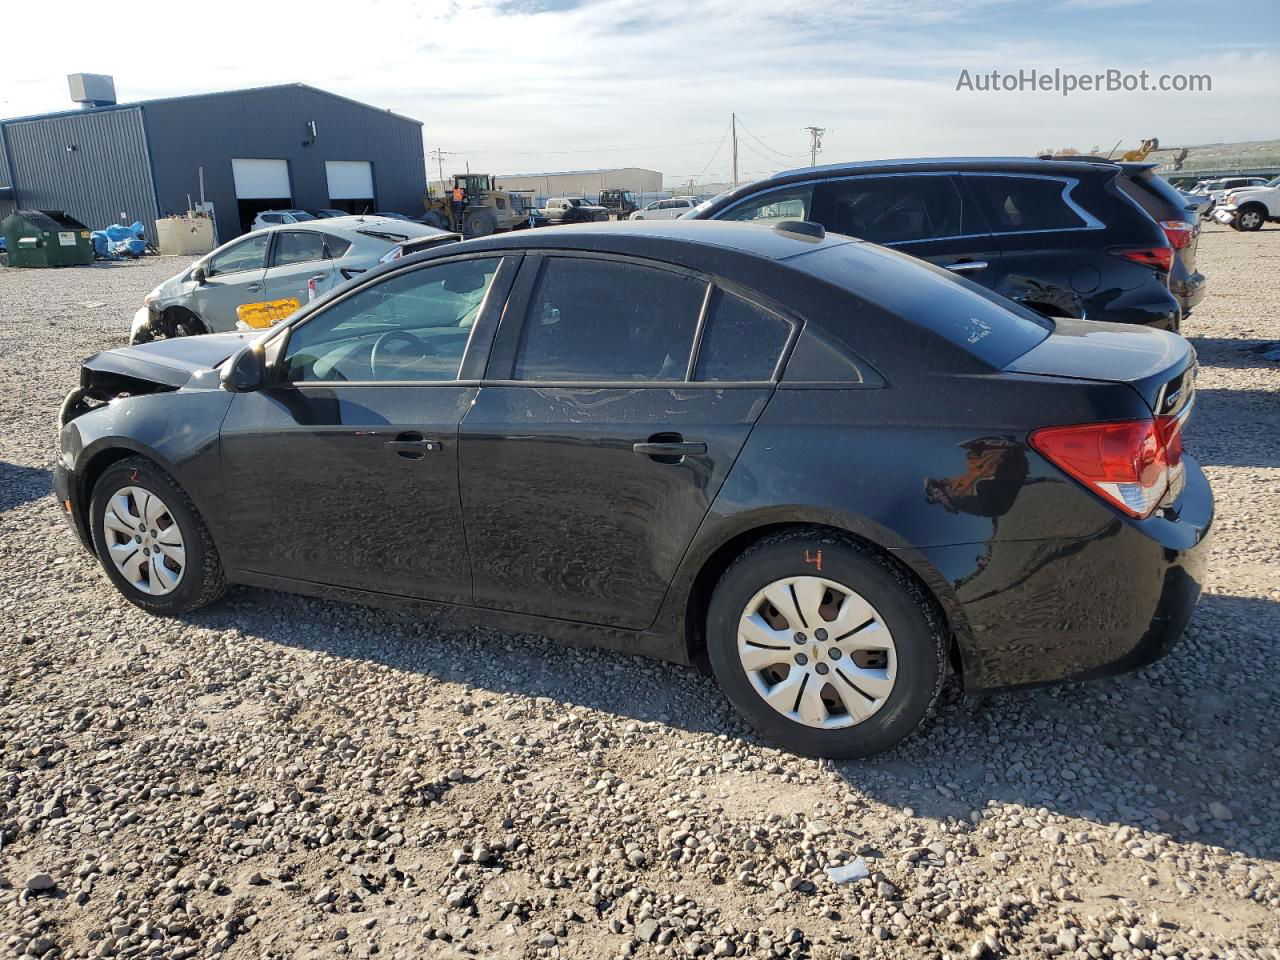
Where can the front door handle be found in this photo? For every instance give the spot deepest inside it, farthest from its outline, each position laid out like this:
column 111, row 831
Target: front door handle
column 411, row 445
column 253, row 287
column 669, row 448
column 967, row 266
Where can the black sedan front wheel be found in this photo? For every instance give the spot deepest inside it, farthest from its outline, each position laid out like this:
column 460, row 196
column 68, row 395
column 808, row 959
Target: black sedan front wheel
column 153, row 544
column 825, row 646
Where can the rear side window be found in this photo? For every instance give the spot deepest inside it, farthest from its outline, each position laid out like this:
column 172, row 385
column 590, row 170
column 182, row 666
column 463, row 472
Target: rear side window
column 1018, row 204
column 336, row 245
column 297, row 246
column 890, row 209
column 600, row 320
column 741, row 341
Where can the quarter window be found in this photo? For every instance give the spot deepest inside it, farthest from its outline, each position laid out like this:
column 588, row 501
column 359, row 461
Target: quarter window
column 412, row 326
column 1016, row 204
column 249, row 254
column 297, row 246
column 600, row 320
column 741, row 342
column 789, row 204
column 890, row 209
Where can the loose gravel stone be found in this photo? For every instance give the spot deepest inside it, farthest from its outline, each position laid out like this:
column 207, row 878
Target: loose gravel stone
column 284, row 777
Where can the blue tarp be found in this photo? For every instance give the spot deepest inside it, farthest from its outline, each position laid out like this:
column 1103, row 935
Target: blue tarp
column 118, row 241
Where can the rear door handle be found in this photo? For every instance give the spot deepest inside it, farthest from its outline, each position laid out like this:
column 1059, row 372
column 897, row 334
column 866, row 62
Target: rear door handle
column 412, row 446
column 671, row 449
column 966, row 266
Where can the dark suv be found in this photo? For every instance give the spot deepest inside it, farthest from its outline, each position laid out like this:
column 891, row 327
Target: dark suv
column 1065, row 238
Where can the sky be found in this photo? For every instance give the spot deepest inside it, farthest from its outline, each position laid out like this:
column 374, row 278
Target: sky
column 516, row 86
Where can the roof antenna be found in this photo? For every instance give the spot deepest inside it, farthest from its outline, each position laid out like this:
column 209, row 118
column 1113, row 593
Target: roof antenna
column 1114, row 149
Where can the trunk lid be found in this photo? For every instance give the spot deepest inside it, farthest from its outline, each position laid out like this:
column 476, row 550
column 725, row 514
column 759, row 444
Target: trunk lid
column 1157, row 364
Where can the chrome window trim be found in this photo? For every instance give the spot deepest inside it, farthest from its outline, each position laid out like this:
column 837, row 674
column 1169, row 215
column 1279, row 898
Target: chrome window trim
column 1091, row 222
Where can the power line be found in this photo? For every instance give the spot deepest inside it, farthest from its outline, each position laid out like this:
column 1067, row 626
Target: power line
column 789, row 156
column 716, row 153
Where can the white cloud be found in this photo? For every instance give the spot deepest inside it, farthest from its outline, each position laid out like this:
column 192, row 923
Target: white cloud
column 553, row 84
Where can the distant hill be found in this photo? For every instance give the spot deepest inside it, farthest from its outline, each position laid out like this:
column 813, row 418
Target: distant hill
column 1222, row 156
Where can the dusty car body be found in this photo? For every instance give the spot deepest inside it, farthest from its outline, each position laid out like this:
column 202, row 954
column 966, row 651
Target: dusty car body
column 259, row 279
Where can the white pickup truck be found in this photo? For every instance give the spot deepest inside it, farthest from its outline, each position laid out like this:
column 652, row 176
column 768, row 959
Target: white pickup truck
column 1248, row 208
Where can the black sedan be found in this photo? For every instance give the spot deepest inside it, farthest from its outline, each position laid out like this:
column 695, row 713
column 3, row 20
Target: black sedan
column 828, row 470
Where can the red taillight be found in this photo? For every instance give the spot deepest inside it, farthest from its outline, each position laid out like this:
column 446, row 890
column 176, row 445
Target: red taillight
column 1179, row 232
column 1159, row 257
column 1129, row 463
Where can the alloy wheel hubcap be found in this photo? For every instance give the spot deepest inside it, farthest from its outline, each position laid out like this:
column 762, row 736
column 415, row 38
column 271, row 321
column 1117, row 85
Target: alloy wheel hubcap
column 144, row 541
column 817, row 652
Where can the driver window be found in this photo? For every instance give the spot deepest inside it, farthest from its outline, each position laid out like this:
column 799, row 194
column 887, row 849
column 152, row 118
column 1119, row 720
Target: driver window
column 413, row 326
column 790, row 203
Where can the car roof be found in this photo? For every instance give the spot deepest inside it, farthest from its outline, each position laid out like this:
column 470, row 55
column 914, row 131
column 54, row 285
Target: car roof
column 356, row 224
column 658, row 238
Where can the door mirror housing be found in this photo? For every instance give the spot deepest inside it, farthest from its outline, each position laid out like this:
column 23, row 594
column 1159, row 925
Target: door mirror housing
column 246, row 371
column 198, row 276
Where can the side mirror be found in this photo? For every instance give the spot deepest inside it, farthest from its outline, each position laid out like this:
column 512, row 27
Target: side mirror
column 198, row 275
column 245, row 372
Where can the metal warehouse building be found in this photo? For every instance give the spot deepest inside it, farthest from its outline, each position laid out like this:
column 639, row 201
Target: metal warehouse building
column 584, row 183
column 258, row 149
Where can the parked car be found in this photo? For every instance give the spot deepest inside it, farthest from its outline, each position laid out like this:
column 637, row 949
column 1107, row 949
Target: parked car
column 273, row 218
column 1248, row 208
column 1057, row 236
column 1180, row 222
column 668, row 209
column 258, row 279
column 572, row 210
column 327, row 214
column 673, row 439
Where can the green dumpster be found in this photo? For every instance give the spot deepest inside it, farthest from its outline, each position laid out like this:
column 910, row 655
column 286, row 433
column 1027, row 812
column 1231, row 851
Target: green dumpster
column 46, row 238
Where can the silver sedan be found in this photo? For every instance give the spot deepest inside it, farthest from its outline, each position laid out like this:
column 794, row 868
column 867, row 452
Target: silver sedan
column 259, row 279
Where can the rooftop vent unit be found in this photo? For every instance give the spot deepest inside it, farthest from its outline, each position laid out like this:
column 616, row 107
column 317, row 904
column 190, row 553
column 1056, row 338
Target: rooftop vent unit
column 92, row 89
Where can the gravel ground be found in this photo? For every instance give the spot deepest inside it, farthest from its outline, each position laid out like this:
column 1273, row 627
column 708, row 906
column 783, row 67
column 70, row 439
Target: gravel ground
column 285, row 777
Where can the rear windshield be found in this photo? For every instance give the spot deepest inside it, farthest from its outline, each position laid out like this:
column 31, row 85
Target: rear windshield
column 995, row 330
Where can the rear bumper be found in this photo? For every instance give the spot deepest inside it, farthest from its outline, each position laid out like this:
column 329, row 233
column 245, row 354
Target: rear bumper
column 1051, row 611
column 1189, row 291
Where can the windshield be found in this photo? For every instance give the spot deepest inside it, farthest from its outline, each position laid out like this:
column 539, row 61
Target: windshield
column 576, row 201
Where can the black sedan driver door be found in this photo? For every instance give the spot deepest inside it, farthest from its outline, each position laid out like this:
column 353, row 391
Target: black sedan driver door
column 344, row 470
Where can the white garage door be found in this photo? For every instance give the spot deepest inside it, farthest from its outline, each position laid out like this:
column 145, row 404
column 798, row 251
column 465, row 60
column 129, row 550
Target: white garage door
column 261, row 179
column 349, row 179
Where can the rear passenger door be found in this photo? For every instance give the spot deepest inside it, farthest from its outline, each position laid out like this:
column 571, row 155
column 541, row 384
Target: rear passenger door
column 618, row 394
column 921, row 214
column 301, row 261
column 1050, row 246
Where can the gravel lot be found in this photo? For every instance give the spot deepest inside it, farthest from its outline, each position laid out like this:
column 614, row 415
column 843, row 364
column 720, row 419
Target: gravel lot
column 284, row 777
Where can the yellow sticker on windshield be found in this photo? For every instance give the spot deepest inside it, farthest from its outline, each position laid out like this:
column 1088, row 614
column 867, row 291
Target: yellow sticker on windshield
column 267, row 313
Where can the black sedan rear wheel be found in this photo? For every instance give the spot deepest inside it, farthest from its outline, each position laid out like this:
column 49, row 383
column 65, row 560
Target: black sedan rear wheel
column 825, row 646
column 152, row 543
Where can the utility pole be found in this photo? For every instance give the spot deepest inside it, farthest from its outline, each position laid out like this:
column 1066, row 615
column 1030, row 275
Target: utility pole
column 438, row 156
column 815, row 143
column 735, row 149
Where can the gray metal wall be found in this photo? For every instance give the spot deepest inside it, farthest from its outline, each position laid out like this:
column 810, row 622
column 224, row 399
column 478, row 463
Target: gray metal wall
column 187, row 133
column 108, row 172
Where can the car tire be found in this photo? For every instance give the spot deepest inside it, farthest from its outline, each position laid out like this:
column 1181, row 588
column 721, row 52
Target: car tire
column 889, row 668
column 1250, row 218
column 188, row 574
